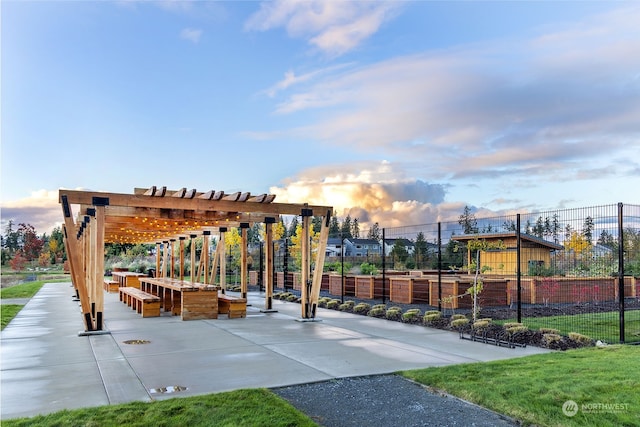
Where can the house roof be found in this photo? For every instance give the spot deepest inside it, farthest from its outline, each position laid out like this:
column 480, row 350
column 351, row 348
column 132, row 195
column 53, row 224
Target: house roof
column 364, row 241
column 499, row 236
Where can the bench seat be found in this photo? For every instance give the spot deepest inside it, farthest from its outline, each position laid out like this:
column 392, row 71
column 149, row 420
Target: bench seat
column 234, row 307
column 142, row 302
column 111, row 286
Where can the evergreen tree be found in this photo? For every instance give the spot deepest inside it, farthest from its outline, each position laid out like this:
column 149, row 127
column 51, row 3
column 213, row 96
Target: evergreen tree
column 355, row 228
column 587, row 229
column 374, row 232
column 334, row 227
column 468, row 221
column 316, row 224
column 345, row 229
column 422, row 250
column 293, row 227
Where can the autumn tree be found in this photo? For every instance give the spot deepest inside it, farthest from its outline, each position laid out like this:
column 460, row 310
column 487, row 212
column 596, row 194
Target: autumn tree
column 30, row 243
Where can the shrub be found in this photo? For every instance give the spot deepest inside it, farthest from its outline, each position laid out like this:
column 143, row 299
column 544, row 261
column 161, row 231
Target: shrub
column 431, row 316
column 361, row 308
column 379, row 310
column 549, row 331
column 368, row 269
column 580, row 339
column 346, row 306
column 394, row 313
column 549, row 339
column 322, row 302
column 334, row 303
column 481, row 324
column 292, row 298
column 411, row 315
column 459, row 323
column 458, row 316
column 516, row 328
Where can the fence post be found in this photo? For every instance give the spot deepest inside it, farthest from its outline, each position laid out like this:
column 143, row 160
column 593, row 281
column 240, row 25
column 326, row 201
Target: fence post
column 621, row 271
column 518, row 269
column 342, row 270
column 439, row 266
column 383, row 266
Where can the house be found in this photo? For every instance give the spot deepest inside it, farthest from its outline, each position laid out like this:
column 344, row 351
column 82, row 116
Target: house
column 334, row 247
column 535, row 252
column 409, row 246
column 361, row 247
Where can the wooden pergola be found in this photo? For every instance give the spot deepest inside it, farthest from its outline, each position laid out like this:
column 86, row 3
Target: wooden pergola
column 162, row 217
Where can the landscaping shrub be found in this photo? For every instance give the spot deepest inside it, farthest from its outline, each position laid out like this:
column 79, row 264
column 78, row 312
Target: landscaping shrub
column 411, row 315
column 394, row 313
column 583, row 340
column 333, row 304
column 431, row 316
column 379, row 310
column 362, row 308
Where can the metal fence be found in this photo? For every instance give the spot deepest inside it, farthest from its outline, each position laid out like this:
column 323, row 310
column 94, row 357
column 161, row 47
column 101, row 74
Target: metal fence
column 574, row 270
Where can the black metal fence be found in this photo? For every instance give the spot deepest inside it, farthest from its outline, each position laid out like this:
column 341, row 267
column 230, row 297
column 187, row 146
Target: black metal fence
column 574, row 270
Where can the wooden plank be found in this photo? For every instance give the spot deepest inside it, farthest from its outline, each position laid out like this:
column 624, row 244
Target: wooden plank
column 180, row 193
column 150, row 192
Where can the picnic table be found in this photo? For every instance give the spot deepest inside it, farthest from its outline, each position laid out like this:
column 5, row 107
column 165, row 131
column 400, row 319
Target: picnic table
column 189, row 300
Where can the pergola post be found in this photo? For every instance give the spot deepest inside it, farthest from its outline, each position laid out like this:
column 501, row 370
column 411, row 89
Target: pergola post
column 192, row 268
column 205, row 254
column 305, row 264
column 181, row 246
column 97, row 237
column 244, row 230
column 158, row 274
column 223, row 259
column 268, row 282
column 172, row 256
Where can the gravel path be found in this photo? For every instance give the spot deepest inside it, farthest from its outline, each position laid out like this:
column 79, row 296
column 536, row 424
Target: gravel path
column 385, row 400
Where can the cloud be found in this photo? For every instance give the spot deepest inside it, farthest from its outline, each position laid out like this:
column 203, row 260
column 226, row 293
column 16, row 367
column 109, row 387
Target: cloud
column 333, row 27
column 378, row 193
column 191, row 34
column 41, row 209
column 557, row 106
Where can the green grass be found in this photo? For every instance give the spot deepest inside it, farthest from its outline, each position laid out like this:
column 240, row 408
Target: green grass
column 8, row 312
column 533, row 389
column 255, row 407
column 25, row 290
column 599, row 326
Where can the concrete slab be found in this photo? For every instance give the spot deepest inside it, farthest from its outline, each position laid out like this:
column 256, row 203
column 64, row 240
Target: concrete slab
column 46, row 366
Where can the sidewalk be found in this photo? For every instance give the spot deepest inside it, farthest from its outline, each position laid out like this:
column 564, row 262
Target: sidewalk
column 46, row 366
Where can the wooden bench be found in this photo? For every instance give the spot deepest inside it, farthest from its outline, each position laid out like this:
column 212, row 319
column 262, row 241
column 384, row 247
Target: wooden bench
column 144, row 303
column 111, row 286
column 234, row 307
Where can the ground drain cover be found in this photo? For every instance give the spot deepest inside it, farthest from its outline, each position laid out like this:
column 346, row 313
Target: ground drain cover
column 168, row 389
column 136, row 342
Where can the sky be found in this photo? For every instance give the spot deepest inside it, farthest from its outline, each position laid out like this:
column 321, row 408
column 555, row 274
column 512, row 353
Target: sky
column 393, row 112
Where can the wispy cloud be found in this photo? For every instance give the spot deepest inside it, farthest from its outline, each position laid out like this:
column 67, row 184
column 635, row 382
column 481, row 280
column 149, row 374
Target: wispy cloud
column 333, row 27
column 562, row 104
column 41, row 209
column 191, row 34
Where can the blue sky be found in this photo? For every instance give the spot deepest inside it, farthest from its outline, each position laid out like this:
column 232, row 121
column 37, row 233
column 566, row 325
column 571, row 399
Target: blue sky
column 395, row 112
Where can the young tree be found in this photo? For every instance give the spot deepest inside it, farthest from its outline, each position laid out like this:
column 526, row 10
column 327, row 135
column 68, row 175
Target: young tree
column 399, row 253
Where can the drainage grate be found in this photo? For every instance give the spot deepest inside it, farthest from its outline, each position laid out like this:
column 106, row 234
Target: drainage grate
column 168, row 389
column 136, row 342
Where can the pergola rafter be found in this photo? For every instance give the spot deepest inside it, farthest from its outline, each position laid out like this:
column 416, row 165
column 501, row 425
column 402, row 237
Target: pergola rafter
column 156, row 215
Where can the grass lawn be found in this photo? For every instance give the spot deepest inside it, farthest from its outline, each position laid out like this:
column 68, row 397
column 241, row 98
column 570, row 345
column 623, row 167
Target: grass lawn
column 8, row 312
column 533, row 389
column 255, row 407
column 599, row 326
column 25, row 290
